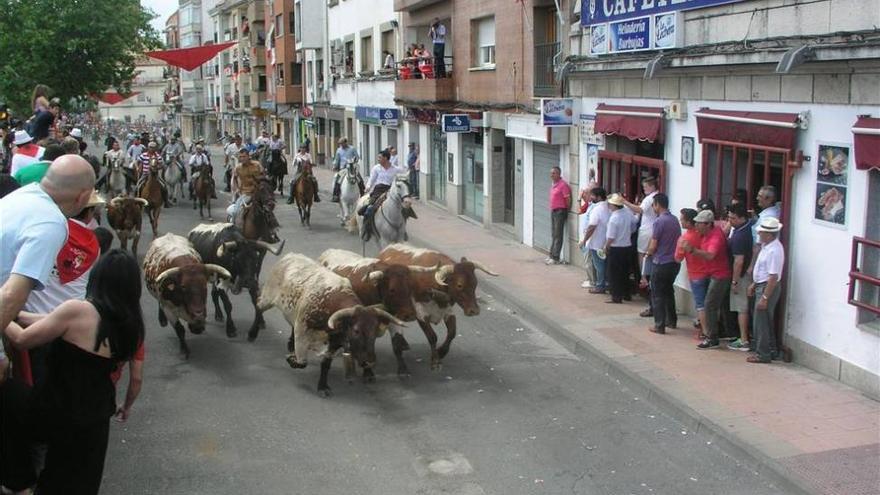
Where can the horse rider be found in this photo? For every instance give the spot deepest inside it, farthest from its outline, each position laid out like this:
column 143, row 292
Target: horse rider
column 198, row 162
column 144, row 160
column 382, row 177
column 230, row 152
column 277, row 161
column 245, row 178
column 344, row 154
column 111, row 156
column 301, row 158
column 175, row 149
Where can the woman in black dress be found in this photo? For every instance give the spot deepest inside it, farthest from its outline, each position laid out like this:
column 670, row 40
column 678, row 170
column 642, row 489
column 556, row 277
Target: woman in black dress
column 71, row 409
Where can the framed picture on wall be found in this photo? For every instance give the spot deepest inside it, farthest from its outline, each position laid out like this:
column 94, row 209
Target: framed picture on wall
column 687, row 151
column 832, row 168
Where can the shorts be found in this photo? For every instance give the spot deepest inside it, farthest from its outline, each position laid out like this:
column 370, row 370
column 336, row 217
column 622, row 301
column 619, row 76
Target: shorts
column 739, row 303
column 699, row 288
column 643, row 240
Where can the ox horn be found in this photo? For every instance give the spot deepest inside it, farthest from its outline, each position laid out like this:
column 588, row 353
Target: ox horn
column 225, row 247
column 167, row 273
column 441, row 274
column 480, row 266
column 424, row 269
column 269, row 247
column 142, row 201
column 337, row 317
column 381, row 313
column 374, row 276
column 115, row 201
column 217, row 269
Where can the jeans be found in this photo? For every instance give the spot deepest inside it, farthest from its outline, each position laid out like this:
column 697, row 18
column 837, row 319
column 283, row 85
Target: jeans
column 698, row 290
column 557, row 221
column 233, row 209
column 599, row 265
column 663, row 295
column 414, row 182
column 439, row 61
column 762, row 323
column 618, row 271
column 717, row 302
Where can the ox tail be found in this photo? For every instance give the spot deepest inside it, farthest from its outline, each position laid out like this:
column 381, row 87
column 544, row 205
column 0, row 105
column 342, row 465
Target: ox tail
column 268, row 295
column 352, row 225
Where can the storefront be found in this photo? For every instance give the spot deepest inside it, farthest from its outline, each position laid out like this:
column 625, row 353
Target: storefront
column 378, row 131
column 472, row 174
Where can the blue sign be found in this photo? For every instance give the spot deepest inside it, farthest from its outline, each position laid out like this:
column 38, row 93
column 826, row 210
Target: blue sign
column 630, row 36
column 456, row 122
column 599, row 11
column 387, row 117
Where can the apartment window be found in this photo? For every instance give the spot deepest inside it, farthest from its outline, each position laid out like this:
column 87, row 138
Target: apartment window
column 292, row 23
column 279, row 75
column 388, row 45
column 367, row 54
column 279, row 25
column 261, row 82
column 296, row 74
column 297, row 21
column 484, row 41
column 348, row 57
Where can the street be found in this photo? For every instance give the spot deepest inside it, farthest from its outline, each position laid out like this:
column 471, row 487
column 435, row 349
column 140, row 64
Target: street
column 511, row 412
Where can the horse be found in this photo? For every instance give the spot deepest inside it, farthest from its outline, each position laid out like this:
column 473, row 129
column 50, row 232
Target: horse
column 116, row 179
column 276, row 170
column 304, row 194
column 349, row 192
column 173, row 177
column 204, row 189
column 389, row 219
column 257, row 218
column 152, row 192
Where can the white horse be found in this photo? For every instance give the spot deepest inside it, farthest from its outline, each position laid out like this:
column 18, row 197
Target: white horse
column 390, row 218
column 173, row 178
column 349, row 194
column 116, row 179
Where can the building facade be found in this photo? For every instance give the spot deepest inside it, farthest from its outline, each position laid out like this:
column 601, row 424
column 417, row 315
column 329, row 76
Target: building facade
column 146, row 103
column 284, row 67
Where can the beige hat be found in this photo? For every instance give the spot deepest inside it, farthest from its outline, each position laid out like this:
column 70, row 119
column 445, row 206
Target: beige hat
column 705, row 216
column 615, row 199
column 769, row 224
column 96, row 200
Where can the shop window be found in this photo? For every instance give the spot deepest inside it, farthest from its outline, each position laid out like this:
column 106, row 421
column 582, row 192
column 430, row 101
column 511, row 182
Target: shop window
column 623, row 173
column 741, row 169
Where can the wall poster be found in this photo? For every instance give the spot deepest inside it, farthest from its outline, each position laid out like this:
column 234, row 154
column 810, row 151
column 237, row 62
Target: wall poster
column 832, row 183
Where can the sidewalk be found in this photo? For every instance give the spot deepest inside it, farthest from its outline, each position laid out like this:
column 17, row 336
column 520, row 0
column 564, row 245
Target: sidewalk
column 797, row 425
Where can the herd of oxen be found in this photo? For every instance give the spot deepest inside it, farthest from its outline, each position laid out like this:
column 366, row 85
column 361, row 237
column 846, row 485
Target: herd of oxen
column 337, row 304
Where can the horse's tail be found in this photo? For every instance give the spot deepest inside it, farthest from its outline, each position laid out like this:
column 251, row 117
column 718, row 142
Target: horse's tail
column 352, row 225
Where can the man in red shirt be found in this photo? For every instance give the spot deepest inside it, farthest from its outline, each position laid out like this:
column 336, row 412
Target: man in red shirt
column 696, row 266
column 560, row 202
column 714, row 251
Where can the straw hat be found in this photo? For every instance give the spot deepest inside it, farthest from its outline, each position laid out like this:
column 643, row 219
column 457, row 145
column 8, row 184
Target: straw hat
column 705, row 216
column 615, row 199
column 96, row 200
column 769, row 224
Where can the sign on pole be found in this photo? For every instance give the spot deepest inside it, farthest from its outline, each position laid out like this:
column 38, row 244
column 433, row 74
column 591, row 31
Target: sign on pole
column 456, row 122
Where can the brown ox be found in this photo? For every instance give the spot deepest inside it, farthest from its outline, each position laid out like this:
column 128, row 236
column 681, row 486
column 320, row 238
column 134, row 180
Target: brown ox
column 125, row 216
column 376, row 282
column 325, row 316
column 176, row 277
column 437, row 294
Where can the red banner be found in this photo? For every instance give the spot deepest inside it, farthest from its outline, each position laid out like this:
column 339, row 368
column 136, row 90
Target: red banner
column 190, row 58
column 114, row 98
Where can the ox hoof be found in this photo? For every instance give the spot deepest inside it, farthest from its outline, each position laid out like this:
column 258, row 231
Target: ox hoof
column 325, row 393
column 443, row 351
column 184, row 353
column 218, row 317
column 252, row 335
column 231, row 333
column 291, row 360
column 436, row 366
column 369, row 376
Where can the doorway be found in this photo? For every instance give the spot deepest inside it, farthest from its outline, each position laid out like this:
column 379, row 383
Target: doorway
column 509, row 181
column 472, row 146
column 437, row 189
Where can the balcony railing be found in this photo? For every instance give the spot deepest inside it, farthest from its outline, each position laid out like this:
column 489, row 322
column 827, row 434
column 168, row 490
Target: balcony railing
column 544, row 62
column 417, row 81
column 422, row 68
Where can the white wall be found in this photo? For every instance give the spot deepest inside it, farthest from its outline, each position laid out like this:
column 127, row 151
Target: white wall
column 818, row 256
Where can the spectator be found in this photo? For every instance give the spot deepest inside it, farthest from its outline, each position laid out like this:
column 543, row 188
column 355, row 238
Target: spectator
column 765, row 289
column 617, row 246
column 41, row 124
column 696, row 266
column 395, row 160
column 585, row 207
column 105, row 239
column 665, row 232
column 24, row 151
column 35, row 171
column 646, row 228
column 714, row 251
column 70, row 145
column 88, row 338
column 40, row 98
column 595, row 236
column 412, row 163
column 740, row 247
column 389, row 60
column 438, row 39
column 560, row 202
column 7, row 184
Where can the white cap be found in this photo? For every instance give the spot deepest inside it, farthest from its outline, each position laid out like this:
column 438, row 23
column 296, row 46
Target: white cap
column 76, row 132
column 22, row 137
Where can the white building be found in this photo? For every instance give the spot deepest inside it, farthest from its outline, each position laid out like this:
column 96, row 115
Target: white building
column 757, row 92
column 148, row 88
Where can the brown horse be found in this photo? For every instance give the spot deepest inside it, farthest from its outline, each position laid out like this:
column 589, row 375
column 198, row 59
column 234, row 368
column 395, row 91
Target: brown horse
column 152, row 192
column 304, row 194
column 204, row 189
column 258, row 222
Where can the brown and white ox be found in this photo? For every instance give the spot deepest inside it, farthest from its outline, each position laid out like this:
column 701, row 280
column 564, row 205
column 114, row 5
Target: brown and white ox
column 436, row 293
column 377, row 282
column 325, row 316
column 125, row 216
column 176, row 277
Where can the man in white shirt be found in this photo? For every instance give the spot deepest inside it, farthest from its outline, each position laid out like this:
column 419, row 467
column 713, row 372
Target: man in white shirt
column 647, row 216
column 617, row 248
column 24, row 152
column 231, row 153
column 765, row 288
column 594, row 237
column 134, row 151
column 198, row 160
column 438, row 39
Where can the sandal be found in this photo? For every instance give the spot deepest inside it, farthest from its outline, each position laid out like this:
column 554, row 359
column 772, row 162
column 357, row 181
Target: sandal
column 756, row 359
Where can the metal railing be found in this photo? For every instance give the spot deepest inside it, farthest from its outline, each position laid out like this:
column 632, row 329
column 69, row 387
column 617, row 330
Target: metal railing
column 545, row 68
column 421, row 68
column 856, row 274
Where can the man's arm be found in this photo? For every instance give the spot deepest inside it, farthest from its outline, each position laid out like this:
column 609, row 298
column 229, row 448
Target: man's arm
column 13, row 294
column 738, row 262
column 587, row 234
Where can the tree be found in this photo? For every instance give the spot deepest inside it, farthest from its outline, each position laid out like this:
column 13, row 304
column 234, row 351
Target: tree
column 76, row 47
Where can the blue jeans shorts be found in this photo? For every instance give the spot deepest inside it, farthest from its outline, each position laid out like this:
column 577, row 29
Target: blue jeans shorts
column 699, row 288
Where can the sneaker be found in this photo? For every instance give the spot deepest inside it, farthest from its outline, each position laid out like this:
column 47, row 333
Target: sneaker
column 586, row 284
column 707, row 344
column 551, row 261
column 739, row 345
column 728, row 339
column 646, row 313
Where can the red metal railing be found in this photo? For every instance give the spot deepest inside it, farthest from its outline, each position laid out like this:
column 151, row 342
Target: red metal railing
column 855, row 274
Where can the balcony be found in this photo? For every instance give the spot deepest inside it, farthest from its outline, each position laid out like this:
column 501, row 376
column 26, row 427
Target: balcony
column 288, row 94
column 416, row 82
column 409, row 5
column 545, row 69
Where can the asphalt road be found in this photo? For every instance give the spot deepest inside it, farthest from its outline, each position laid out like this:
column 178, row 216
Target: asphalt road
column 511, row 412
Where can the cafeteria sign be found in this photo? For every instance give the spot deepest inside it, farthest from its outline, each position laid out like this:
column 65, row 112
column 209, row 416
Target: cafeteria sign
column 557, row 112
column 595, row 12
column 658, row 32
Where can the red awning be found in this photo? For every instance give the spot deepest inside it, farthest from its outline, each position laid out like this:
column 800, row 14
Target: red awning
column 190, row 58
column 114, row 98
column 778, row 130
column 866, row 133
column 636, row 123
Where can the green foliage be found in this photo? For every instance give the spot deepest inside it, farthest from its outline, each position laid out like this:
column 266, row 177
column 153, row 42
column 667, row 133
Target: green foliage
column 76, row 47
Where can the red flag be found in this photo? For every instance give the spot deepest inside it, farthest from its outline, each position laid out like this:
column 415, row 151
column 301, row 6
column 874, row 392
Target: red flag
column 189, row 58
column 114, row 98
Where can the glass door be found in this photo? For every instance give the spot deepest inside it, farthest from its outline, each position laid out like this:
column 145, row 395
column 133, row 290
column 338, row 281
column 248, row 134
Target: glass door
column 438, row 165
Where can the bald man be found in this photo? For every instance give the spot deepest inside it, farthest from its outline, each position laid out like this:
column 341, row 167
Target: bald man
column 33, row 228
